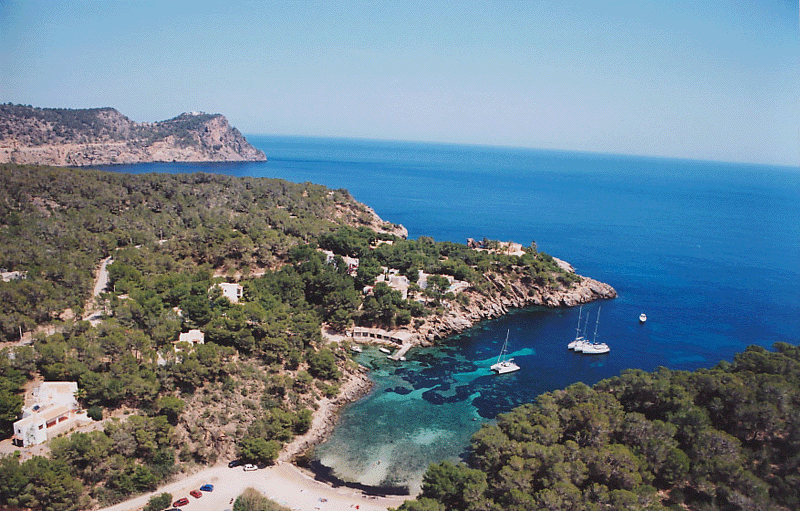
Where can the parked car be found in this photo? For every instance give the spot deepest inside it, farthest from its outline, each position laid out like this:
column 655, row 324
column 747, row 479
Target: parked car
column 180, row 502
column 250, row 467
column 196, row 494
column 234, row 463
column 207, row 487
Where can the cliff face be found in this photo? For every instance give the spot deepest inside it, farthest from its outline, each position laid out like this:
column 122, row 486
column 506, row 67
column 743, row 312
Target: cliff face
column 102, row 136
column 511, row 292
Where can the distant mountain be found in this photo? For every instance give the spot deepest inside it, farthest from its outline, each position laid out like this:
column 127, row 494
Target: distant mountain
column 101, row 136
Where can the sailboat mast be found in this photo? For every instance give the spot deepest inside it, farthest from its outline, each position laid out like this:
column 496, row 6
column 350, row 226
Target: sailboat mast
column 503, row 351
column 596, row 324
column 578, row 330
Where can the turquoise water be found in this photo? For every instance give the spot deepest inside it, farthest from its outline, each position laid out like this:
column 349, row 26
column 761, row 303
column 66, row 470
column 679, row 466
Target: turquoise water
column 709, row 251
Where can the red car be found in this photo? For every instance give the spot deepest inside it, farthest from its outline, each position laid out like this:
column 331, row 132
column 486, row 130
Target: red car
column 180, row 502
column 196, row 494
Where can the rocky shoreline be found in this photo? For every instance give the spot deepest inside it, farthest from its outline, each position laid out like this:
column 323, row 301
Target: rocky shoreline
column 103, row 136
column 325, row 417
column 515, row 295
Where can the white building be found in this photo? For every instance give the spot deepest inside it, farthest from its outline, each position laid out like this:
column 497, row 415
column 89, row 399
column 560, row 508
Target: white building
column 50, row 409
column 351, row 262
column 395, row 281
column 232, row 292
column 192, row 337
column 9, row 276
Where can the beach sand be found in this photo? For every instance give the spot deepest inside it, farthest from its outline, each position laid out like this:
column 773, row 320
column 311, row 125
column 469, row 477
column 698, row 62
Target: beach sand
column 283, row 482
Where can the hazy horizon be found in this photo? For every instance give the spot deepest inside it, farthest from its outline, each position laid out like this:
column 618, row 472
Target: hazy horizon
column 709, row 80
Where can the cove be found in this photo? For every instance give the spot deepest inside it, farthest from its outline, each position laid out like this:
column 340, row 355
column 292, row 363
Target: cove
column 425, row 409
column 710, row 251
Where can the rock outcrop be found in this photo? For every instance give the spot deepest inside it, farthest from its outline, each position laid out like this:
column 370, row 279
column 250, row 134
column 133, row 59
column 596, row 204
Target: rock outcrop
column 102, row 136
column 510, row 294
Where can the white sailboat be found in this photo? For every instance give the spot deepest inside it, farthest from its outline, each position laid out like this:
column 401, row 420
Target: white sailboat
column 579, row 340
column 594, row 347
column 504, row 366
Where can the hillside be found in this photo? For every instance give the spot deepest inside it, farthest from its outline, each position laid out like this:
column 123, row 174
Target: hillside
column 57, row 224
column 264, row 373
column 725, row 438
column 102, row 136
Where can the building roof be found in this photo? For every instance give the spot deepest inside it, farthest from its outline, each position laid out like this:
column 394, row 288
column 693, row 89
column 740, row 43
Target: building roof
column 45, row 414
column 192, row 336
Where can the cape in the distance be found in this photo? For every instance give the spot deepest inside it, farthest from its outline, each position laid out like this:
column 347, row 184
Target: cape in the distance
column 103, row 136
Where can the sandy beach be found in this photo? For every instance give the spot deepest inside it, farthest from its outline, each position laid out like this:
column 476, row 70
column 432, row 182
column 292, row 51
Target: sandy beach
column 283, row 482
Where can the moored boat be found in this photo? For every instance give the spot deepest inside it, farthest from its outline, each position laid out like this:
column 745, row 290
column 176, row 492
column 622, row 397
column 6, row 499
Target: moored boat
column 503, row 366
column 579, row 339
column 583, row 345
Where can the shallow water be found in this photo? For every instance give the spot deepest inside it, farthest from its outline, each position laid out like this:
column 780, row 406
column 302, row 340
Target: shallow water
column 709, row 251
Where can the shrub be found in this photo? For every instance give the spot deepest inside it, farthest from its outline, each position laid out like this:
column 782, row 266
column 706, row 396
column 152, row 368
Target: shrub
column 95, row 413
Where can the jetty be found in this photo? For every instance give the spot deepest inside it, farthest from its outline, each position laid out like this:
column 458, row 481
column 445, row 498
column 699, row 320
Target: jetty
column 401, row 353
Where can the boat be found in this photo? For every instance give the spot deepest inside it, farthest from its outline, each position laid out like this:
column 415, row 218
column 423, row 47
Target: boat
column 579, row 340
column 384, row 350
column 355, row 348
column 642, row 317
column 503, row 366
column 594, row 347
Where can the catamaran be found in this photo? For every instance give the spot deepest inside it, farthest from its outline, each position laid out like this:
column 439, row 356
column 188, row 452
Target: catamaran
column 504, row 366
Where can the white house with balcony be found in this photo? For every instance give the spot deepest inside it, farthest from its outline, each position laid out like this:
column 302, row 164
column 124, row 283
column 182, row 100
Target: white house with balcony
column 50, row 409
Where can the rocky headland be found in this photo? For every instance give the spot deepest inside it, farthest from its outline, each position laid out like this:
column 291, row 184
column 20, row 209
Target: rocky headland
column 511, row 293
column 103, row 136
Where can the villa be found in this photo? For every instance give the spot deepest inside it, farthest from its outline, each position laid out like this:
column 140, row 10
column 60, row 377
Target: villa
column 50, row 409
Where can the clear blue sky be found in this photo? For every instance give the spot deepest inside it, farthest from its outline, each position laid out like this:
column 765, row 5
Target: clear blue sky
column 707, row 79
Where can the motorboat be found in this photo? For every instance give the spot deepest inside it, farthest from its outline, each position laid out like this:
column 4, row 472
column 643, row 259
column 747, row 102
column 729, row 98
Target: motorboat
column 642, row 317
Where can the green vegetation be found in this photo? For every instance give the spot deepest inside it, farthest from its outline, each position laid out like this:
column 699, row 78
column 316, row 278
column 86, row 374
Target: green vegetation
column 57, row 224
column 31, row 126
column 39, row 483
column 251, row 386
column 725, row 438
column 252, row 500
column 159, row 502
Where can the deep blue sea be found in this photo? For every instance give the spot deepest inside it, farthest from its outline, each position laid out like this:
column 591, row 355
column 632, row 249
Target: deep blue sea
column 709, row 251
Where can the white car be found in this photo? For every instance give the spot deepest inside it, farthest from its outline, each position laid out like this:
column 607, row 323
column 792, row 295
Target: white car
column 248, row 467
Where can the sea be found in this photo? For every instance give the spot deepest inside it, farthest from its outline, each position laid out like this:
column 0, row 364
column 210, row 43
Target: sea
column 709, row 251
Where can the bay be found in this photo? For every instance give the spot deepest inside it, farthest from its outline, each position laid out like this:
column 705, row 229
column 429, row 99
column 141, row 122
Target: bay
column 709, row 251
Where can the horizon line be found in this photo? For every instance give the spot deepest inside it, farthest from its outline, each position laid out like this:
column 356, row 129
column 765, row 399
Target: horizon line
column 787, row 166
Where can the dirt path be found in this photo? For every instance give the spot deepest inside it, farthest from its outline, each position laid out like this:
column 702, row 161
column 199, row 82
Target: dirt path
column 93, row 313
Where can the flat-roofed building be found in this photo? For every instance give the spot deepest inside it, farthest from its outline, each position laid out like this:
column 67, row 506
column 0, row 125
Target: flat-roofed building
column 50, row 408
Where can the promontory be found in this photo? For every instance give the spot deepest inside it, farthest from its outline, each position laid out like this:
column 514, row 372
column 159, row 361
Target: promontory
column 103, row 136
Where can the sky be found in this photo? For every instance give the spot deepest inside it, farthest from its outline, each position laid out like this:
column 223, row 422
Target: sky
column 701, row 79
